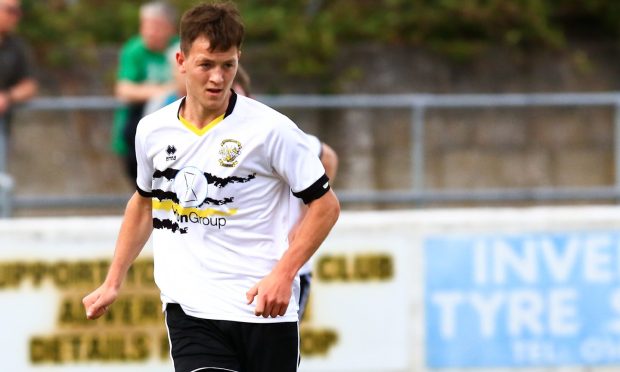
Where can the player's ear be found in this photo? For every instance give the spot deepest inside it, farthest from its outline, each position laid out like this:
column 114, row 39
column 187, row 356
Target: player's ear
column 180, row 57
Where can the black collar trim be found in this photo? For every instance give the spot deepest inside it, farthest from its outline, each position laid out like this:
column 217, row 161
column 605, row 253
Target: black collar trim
column 232, row 101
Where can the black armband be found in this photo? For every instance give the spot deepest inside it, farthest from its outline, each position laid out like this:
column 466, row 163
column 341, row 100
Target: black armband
column 143, row 193
column 315, row 191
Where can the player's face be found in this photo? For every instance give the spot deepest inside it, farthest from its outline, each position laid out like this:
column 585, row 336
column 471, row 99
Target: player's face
column 209, row 74
column 156, row 32
column 10, row 13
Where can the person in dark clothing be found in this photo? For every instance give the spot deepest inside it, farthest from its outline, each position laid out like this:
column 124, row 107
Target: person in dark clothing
column 17, row 82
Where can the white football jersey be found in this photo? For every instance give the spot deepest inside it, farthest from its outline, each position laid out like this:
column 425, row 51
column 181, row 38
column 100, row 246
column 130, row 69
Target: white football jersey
column 220, row 198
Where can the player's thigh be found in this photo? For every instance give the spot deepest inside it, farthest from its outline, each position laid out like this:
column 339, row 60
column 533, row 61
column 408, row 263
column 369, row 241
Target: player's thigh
column 198, row 344
column 272, row 347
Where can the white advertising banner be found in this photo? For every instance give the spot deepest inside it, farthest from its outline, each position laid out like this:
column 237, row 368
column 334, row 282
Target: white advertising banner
column 358, row 318
column 498, row 290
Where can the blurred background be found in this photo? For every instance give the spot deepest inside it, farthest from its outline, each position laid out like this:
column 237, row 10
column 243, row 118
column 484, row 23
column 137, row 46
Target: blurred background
column 390, row 141
column 479, row 154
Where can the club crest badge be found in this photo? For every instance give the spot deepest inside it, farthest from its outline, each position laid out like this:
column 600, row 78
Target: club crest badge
column 229, row 151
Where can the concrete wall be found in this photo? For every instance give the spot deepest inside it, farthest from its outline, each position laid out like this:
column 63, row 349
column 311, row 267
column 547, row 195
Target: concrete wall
column 69, row 153
column 467, row 148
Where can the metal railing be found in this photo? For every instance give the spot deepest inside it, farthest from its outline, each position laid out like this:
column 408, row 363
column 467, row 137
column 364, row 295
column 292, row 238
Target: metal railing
column 418, row 104
column 6, row 182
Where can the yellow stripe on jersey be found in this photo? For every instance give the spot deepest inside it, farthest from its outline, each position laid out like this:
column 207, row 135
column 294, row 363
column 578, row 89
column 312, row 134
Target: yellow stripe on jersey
column 204, row 130
column 169, row 205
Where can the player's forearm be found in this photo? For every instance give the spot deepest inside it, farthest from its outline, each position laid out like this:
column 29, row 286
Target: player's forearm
column 316, row 224
column 329, row 159
column 135, row 230
column 23, row 91
column 139, row 92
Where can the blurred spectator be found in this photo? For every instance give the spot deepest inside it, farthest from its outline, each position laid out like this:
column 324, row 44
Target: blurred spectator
column 143, row 73
column 17, row 82
column 178, row 89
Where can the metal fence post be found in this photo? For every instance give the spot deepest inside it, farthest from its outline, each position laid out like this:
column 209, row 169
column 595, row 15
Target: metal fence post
column 6, row 182
column 417, row 147
column 617, row 148
column 6, row 195
column 3, row 144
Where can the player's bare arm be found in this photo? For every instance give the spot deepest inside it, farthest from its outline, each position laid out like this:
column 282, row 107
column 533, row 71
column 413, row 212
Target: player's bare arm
column 273, row 292
column 329, row 159
column 21, row 92
column 128, row 91
column 135, row 231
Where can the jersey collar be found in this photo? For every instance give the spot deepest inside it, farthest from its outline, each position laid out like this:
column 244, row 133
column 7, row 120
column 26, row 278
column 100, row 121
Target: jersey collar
column 232, row 101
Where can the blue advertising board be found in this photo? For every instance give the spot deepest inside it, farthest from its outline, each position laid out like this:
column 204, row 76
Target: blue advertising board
column 520, row 300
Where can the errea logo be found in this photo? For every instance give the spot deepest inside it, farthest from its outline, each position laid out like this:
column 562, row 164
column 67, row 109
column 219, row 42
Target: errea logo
column 171, row 150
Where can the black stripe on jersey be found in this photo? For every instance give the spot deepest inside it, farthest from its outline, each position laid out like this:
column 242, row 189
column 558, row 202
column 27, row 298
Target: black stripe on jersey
column 168, row 224
column 170, row 173
column 143, row 193
column 165, row 195
column 315, row 191
column 222, row 182
column 218, row 202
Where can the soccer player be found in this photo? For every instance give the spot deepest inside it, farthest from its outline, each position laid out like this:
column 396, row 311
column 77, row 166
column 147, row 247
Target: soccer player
column 215, row 171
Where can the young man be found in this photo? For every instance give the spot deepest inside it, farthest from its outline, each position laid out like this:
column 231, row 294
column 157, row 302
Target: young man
column 215, row 172
column 143, row 72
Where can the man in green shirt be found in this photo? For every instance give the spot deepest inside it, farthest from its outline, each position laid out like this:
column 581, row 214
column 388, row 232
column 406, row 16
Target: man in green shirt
column 143, row 72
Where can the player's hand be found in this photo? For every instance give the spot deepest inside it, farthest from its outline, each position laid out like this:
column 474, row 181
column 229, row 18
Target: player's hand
column 272, row 293
column 97, row 303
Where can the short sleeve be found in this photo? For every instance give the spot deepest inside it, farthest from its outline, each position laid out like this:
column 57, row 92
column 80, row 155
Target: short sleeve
column 145, row 165
column 295, row 161
column 315, row 144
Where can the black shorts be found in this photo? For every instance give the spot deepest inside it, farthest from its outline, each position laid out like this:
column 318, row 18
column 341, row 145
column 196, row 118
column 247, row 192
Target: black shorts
column 203, row 344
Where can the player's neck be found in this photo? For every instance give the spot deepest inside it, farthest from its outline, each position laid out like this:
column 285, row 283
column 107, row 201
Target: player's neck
column 199, row 115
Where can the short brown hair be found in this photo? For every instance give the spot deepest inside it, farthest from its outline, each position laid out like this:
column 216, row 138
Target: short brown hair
column 219, row 22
